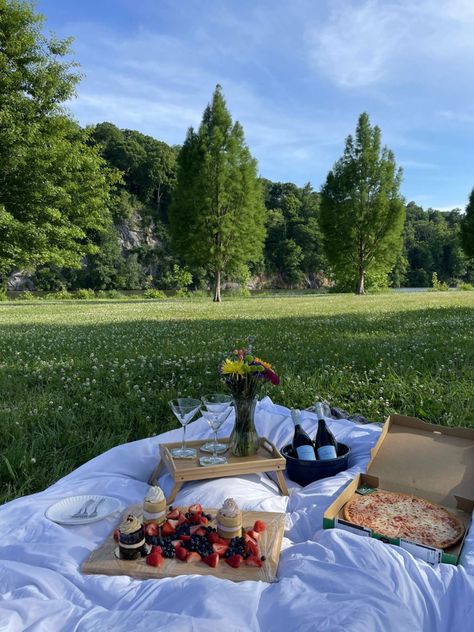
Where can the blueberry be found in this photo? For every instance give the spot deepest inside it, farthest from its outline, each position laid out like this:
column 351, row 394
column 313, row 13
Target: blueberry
column 263, row 558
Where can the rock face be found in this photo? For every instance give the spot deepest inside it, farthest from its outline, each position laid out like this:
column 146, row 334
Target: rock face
column 134, row 232
column 19, row 281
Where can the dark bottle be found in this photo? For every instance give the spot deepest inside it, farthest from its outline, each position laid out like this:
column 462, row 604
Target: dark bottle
column 302, row 444
column 325, row 443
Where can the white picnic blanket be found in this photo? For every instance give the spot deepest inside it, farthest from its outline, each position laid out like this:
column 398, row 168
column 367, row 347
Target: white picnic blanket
column 328, row 579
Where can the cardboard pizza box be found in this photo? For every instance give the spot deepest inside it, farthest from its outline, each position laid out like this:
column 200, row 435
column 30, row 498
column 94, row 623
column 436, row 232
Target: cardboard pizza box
column 426, row 460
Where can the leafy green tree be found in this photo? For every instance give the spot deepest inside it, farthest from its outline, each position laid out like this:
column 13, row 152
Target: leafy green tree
column 217, row 215
column 148, row 165
column 54, row 188
column 362, row 212
column 467, row 228
column 293, row 247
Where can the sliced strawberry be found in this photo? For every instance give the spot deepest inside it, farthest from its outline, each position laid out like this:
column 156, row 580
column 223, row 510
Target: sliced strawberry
column 174, row 515
column 252, row 548
column 220, row 548
column 194, row 529
column 167, row 529
column 116, row 535
column 204, row 520
column 195, row 518
column 181, row 553
column 185, row 538
column 213, row 538
column 155, row 558
column 176, row 543
column 182, row 518
column 223, row 541
column 259, row 526
column 193, row 557
column 201, row 531
column 254, row 534
column 151, row 529
column 194, row 509
column 252, row 560
column 211, row 560
column 234, row 561
column 173, row 523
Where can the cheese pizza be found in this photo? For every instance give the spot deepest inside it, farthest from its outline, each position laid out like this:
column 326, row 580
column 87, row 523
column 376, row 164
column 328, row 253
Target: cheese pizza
column 398, row 515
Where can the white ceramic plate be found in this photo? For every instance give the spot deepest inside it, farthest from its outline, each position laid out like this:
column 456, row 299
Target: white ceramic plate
column 62, row 511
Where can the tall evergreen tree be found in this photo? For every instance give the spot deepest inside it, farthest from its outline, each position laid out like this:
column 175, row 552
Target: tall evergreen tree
column 217, row 215
column 53, row 185
column 362, row 212
column 467, row 228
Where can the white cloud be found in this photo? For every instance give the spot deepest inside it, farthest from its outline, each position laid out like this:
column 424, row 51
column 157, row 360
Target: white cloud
column 367, row 43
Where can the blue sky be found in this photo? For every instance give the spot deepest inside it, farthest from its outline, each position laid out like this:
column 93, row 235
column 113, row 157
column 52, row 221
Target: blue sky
column 295, row 73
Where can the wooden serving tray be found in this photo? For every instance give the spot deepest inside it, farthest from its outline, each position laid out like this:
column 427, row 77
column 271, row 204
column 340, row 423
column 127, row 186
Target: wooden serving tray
column 102, row 561
column 266, row 459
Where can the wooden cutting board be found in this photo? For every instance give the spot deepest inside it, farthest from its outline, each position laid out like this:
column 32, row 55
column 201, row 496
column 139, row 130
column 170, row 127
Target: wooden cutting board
column 103, row 561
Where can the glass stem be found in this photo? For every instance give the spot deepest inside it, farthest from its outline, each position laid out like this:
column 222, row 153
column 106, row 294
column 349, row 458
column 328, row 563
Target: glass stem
column 214, row 447
column 183, row 445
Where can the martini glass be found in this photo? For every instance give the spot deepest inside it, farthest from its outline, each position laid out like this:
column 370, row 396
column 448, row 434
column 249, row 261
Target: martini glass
column 217, row 402
column 218, row 408
column 184, row 409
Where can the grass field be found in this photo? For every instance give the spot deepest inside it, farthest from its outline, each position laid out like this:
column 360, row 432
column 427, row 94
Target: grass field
column 77, row 378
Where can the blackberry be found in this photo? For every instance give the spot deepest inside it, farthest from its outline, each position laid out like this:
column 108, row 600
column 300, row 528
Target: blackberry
column 263, row 558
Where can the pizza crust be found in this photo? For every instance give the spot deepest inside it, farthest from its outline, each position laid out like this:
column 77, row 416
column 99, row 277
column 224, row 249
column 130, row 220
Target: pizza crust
column 397, row 515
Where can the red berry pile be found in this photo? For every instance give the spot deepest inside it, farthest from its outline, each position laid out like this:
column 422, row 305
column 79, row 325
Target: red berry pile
column 189, row 537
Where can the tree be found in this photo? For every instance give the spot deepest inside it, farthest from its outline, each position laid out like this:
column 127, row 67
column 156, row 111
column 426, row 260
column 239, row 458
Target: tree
column 467, row 228
column 217, row 216
column 54, row 187
column 362, row 212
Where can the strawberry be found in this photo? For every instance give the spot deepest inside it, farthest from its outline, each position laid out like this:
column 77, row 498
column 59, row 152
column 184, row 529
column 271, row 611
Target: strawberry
column 254, row 534
column 194, row 529
column 223, row 541
column 151, row 529
column 259, row 526
column 116, row 535
column 181, row 553
column 195, row 518
column 213, row 538
column 176, row 543
column 174, row 515
column 194, row 509
column 220, row 549
column 234, row 561
column 252, row 548
column 248, row 538
column 167, row 529
column 173, row 523
column 252, row 560
column 185, row 538
column 201, row 531
column 155, row 558
column 204, row 520
column 182, row 518
column 193, row 556
column 211, row 560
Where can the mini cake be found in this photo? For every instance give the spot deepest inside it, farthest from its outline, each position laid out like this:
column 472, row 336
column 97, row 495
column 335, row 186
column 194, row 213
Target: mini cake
column 154, row 506
column 132, row 539
column 229, row 520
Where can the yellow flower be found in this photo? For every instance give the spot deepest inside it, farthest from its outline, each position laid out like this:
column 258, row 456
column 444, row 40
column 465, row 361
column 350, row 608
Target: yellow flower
column 267, row 365
column 232, row 367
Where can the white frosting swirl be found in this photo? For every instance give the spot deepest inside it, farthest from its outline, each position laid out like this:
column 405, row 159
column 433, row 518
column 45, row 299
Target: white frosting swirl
column 230, row 508
column 130, row 525
column 154, row 494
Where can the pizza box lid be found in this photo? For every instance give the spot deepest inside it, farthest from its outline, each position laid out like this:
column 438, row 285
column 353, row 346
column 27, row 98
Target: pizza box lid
column 428, row 460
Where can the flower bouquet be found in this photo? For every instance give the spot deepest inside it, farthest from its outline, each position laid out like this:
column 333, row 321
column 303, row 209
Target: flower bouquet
column 244, row 374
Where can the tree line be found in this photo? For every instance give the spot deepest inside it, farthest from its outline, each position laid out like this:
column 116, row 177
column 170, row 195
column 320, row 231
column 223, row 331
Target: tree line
column 196, row 214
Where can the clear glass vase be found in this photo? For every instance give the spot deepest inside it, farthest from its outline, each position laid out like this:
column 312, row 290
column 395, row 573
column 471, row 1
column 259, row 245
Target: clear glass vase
column 244, row 439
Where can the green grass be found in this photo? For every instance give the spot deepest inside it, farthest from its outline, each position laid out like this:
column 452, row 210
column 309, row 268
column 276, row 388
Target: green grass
column 77, row 378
